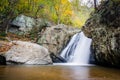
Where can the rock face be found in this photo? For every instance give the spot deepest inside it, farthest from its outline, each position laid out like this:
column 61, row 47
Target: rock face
column 22, row 24
column 27, row 53
column 56, row 37
column 104, row 28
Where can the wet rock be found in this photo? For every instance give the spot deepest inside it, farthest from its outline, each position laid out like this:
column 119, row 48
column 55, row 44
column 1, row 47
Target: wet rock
column 27, row 53
column 104, row 28
column 57, row 58
column 56, row 37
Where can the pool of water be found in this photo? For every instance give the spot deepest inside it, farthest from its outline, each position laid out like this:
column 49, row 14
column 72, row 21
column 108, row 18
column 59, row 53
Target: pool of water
column 58, row 72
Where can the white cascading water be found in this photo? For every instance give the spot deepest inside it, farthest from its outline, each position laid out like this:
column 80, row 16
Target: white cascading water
column 78, row 49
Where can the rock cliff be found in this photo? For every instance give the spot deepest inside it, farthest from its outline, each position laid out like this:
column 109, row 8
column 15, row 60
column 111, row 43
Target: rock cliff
column 56, row 37
column 104, row 28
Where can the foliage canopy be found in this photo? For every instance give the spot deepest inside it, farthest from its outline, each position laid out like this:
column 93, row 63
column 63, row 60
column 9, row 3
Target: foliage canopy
column 57, row 11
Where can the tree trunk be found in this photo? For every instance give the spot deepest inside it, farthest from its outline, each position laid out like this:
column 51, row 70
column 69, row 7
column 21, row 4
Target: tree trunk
column 95, row 4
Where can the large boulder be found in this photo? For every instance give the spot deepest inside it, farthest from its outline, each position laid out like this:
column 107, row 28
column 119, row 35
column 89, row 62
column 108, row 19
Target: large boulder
column 56, row 37
column 104, row 28
column 27, row 53
column 23, row 24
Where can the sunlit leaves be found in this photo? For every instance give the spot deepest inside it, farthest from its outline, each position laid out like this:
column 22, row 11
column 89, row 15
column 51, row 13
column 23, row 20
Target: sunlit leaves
column 58, row 11
column 3, row 5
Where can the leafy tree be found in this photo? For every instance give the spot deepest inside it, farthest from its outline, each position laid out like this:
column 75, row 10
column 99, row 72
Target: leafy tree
column 63, row 10
column 7, row 12
column 58, row 11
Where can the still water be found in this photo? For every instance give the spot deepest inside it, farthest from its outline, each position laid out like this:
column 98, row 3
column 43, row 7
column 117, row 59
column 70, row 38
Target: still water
column 58, row 72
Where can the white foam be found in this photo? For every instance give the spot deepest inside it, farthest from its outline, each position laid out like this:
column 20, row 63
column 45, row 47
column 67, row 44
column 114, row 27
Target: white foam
column 78, row 50
column 73, row 64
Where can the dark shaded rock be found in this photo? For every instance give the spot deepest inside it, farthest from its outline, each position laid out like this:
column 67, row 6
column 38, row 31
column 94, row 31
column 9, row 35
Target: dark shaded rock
column 104, row 28
column 2, row 60
column 92, row 59
column 57, row 58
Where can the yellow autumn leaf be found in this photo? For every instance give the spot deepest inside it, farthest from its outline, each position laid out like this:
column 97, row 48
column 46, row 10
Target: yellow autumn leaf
column 64, row 1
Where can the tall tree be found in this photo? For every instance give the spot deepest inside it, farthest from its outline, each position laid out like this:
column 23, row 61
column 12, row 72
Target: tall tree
column 95, row 4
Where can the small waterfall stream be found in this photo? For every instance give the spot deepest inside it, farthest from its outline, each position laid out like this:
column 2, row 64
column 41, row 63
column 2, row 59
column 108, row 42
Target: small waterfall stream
column 78, row 49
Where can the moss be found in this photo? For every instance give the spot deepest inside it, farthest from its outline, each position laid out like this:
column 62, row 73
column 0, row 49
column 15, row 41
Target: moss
column 116, row 0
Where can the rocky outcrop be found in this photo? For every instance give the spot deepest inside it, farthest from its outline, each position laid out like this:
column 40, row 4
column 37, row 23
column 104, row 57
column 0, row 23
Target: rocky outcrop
column 23, row 24
column 27, row 53
column 55, row 38
column 104, row 28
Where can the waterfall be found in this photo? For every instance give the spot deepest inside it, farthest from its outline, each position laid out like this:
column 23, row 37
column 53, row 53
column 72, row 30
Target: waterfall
column 78, row 49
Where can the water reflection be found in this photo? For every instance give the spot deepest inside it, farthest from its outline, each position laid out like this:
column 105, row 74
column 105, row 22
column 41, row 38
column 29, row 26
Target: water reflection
column 58, row 72
column 80, row 73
